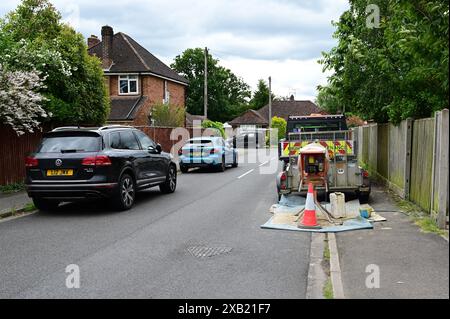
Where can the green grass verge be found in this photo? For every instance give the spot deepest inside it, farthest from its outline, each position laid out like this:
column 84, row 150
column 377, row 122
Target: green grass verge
column 328, row 289
column 418, row 216
column 428, row 225
column 29, row 208
column 326, row 252
column 12, row 188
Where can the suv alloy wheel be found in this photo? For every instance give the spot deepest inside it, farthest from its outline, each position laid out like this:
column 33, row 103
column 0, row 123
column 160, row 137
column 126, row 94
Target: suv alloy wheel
column 126, row 193
column 170, row 184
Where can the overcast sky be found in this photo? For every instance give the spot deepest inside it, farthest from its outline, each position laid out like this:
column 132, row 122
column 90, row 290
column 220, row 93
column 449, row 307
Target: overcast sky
column 254, row 38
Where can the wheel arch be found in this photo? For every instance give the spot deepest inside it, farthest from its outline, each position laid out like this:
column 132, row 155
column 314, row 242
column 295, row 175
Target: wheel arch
column 128, row 170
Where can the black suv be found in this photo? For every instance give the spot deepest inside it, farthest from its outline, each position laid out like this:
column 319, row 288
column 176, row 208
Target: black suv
column 111, row 162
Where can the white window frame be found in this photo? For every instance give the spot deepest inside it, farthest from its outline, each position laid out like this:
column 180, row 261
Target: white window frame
column 127, row 77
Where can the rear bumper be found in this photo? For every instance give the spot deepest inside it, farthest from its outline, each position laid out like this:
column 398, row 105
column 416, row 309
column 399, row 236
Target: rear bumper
column 194, row 165
column 200, row 162
column 67, row 191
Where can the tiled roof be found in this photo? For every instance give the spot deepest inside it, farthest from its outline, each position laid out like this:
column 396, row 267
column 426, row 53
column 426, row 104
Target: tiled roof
column 125, row 108
column 130, row 56
column 286, row 108
column 281, row 109
column 190, row 118
column 251, row 117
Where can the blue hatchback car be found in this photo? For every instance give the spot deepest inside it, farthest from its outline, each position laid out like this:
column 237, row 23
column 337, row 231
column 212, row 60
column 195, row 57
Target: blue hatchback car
column 212, row 152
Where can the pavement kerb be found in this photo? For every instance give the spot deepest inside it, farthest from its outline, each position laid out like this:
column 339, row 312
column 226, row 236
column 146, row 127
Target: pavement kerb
column 16, row 213
column 12, row 211
column 335, row 268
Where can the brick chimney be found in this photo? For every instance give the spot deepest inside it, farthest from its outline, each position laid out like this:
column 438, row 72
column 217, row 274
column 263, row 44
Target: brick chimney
column 92, row 40
column 107, row 46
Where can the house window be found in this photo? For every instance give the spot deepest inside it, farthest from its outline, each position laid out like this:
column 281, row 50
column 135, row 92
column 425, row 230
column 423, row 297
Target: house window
column 128, row 84
column 166, row 93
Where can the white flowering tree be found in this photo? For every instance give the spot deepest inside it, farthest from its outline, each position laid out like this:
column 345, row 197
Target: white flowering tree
column 20, row 100
column 34, row 41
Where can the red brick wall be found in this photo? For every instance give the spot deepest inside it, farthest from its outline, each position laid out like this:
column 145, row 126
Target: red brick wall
column 141, row 118
column 113, row 85
column 153, row 87
column 177, row 94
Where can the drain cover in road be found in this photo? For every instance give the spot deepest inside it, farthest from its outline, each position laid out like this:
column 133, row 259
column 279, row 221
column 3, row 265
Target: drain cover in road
column 202, row 251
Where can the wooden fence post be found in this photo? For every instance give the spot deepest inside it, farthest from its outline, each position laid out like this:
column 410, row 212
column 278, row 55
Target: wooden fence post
column 408, row 141
column 443, row 169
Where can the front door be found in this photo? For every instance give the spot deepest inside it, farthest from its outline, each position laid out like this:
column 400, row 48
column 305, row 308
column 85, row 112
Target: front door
column 155, row 166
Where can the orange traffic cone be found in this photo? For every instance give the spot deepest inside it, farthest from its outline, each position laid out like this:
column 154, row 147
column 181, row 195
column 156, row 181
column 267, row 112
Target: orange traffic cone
column 309, row 220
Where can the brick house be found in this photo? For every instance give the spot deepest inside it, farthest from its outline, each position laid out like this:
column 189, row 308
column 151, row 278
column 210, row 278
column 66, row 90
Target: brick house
column 260, row 118
column 135, row 78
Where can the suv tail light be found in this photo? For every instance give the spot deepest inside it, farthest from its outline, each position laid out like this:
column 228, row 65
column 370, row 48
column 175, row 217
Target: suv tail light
column 180, row 151
column 215, row 151
column 100, row 160
column 31, row 161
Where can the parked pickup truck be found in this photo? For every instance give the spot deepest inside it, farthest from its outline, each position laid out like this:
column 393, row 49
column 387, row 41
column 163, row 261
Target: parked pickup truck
column 343, row 174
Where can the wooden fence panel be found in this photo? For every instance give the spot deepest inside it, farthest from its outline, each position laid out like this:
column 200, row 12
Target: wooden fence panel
column 383, row 150
column 397, row 154
column 13, row 150
column 372, row 149
column 422, row 162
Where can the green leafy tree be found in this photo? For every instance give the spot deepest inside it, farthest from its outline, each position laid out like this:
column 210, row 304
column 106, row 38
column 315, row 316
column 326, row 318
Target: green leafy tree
column 280, row 124
column 327, row 100
column 261, row 96
column 227, row 93
column 214, row 125
column 393, row 72
column 35, row 39
column 169, row 115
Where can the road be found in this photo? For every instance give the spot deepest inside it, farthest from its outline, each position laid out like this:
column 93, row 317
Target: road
column 149, row 251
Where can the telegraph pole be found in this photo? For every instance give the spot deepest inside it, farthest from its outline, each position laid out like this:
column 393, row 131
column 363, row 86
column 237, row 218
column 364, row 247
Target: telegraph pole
column 205, row 93
column 270, row 102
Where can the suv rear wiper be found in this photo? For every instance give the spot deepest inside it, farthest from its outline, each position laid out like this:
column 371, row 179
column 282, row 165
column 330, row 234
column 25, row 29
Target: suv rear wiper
column 70, row 151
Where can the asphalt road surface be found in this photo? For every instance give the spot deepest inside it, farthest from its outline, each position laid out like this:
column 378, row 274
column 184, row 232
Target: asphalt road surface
column 154, row 250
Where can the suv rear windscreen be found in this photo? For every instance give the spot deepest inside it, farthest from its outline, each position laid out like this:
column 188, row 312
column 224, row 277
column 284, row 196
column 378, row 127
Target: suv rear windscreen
column 70, row 144
column 201, row 142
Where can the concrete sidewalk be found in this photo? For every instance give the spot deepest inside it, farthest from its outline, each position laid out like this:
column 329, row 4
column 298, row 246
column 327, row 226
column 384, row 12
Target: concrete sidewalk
column 412, row 264
column 14, row 201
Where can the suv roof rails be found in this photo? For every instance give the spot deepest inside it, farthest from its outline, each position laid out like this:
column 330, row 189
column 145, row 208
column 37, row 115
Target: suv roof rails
column 62, row 128
column 107, row 127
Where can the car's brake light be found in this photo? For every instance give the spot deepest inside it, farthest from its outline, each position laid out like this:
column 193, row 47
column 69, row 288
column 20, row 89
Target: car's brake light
column 215, row 151
column 180, row 151
column 31, row 161
column 100, row 160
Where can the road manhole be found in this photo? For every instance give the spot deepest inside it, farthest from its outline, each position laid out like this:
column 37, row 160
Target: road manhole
column 203, row 251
